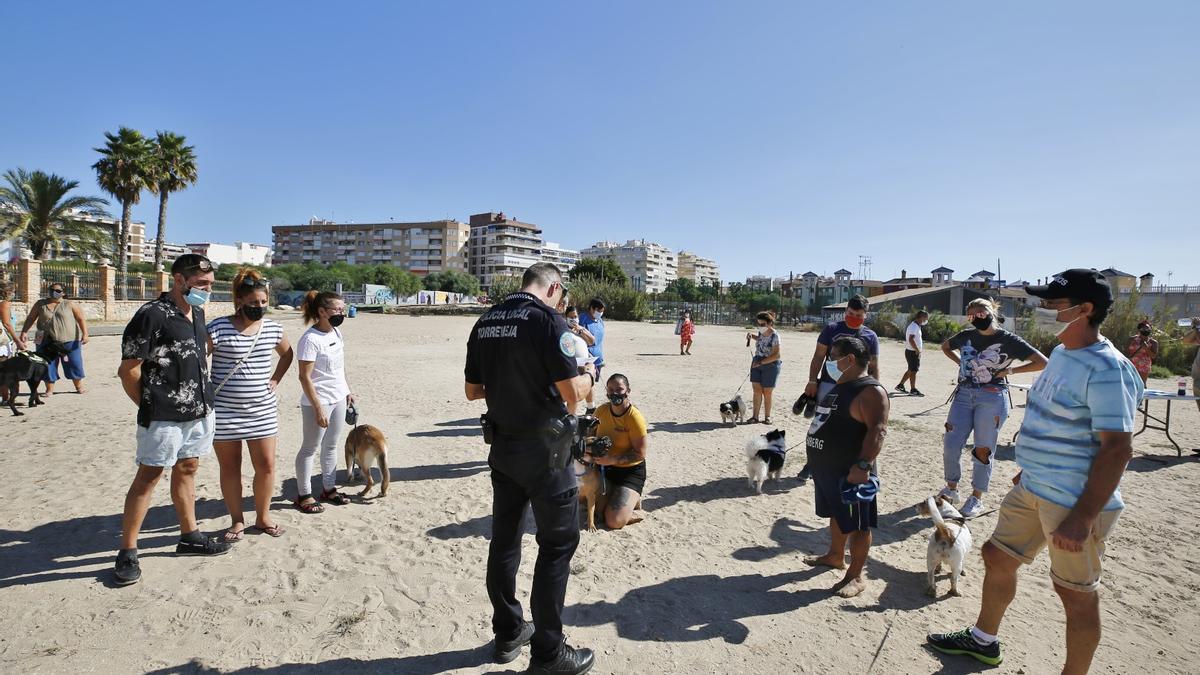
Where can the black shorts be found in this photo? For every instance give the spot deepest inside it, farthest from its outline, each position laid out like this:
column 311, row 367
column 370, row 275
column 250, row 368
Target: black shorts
column 828, row 497
column 632, row 477
column 913, row 358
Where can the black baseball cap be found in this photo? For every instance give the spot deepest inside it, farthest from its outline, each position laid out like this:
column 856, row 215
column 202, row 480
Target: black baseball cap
column 1084, row 285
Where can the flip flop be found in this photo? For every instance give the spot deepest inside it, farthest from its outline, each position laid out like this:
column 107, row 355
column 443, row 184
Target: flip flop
column 232, row 537
column 274, row 530
column 334, row 497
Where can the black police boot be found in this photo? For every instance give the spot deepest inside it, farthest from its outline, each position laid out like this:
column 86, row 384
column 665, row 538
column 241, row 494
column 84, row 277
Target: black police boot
column 508, row 650
column 570, row 661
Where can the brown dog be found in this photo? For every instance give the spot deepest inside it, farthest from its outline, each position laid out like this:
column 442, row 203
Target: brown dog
column 590, row 488
column 366, row 446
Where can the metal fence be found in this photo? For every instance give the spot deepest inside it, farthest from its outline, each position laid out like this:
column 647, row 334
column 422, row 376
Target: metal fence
column 138, row 287
column 8, row 277
column 222, row 291
column 715, row 312
column 82, row 283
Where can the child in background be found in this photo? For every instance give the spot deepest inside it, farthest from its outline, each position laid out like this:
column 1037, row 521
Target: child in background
column 686, row 330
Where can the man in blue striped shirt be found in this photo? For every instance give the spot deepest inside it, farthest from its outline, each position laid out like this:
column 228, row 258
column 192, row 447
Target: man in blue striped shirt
column 1072, row 450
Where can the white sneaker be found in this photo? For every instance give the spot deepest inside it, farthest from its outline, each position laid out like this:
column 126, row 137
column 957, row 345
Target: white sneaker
column 949, row 495
column 972, row 508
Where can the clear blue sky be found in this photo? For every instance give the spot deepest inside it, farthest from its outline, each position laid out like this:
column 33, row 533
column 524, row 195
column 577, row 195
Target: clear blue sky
column 772, row 136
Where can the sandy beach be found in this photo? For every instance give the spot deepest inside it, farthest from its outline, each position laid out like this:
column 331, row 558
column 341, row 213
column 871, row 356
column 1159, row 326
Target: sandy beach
column 711, row 582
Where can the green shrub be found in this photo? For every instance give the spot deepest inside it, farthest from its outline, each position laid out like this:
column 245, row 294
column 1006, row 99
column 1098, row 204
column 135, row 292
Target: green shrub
column 940, row 328
column 1160, row 372
column 502, row 287
column 622, row 302
column 882, row 320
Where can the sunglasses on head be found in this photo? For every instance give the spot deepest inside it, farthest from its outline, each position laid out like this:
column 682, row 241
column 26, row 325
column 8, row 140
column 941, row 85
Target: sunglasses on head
column 202, row 266
column 253, row 283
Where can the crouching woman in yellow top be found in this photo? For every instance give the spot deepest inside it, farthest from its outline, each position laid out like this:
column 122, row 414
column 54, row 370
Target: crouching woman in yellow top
column 624, row 465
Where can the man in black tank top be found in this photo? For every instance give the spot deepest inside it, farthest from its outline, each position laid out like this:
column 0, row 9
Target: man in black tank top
column 843, row 441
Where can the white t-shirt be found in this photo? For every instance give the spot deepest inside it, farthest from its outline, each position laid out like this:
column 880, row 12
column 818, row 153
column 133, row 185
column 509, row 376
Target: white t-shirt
column 914, row 332
column 327, row 352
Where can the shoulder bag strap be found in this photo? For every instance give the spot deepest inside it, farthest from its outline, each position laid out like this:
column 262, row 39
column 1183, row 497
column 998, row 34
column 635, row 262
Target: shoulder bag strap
column 241, row 360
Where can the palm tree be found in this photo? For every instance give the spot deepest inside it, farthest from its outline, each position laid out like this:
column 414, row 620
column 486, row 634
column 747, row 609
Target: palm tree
column 40, row 212
column 123, row 172
column 173, row 168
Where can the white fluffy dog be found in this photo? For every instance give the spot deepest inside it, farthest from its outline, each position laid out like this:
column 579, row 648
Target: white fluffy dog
column 765, row 454
column 950, row 542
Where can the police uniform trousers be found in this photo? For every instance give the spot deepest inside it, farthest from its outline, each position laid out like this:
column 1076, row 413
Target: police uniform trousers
column 520, row 476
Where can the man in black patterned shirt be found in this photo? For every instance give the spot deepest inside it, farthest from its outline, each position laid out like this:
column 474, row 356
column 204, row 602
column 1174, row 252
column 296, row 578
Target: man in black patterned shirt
column 164, row 370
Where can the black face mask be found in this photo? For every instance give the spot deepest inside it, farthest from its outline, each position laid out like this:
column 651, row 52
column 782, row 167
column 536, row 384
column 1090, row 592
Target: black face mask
column 1144, row 331
column 983, row 322
column 336, row 320
column 616, row 399
column 253, row 313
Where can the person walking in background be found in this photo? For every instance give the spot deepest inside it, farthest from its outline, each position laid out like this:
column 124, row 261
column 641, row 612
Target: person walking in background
column 687, row 329
column 60, row 321
column 245, row 401
column 1193, row 338
column 10, row 342
column 765, row 365
column 913, row 344
column 324, row 397
column 1142, row 349
column 164, row 371
column 985, row 358
column 593, row 321
column 1075, row 442
column 853, row 324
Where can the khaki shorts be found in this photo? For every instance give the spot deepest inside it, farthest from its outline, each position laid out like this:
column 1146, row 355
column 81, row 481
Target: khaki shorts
column 1025, row 525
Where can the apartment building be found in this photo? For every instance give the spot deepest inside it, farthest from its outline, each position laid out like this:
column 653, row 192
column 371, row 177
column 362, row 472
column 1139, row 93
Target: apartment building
column 238, row 253
column 170, row 251
column 12, row 249
column 500, row 246
column 562, row 258
column 649, row 266
column 703, row 271
column 419, row 247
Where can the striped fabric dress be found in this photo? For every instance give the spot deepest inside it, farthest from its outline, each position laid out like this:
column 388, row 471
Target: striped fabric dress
column 246, row 407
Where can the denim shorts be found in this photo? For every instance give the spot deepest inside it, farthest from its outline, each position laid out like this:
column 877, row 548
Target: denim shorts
column 767, row 375
column 165, row 443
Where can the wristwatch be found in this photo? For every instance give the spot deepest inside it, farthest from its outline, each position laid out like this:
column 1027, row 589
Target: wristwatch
column 863, row 464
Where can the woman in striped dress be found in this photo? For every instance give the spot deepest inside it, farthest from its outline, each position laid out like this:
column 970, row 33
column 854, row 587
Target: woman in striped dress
column 245, row 402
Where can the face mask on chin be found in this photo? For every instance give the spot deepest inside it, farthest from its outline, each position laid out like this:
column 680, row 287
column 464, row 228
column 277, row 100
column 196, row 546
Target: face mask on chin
column 1049, row 317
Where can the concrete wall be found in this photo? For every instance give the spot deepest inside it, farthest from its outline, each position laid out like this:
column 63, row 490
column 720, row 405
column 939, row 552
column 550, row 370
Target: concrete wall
column 115, row 311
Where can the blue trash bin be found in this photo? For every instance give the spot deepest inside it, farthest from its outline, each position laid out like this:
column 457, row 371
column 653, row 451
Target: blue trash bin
column 352, row 311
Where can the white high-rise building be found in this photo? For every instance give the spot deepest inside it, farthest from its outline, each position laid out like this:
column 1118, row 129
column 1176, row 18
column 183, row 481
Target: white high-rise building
column 239, row 253
column 703, row 271
column 562, row 258
column 649, row 266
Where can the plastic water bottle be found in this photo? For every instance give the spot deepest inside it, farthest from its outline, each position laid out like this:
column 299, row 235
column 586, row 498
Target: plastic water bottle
column 1183, row 386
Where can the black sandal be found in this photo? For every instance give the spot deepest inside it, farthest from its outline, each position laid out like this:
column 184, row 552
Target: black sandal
column 334, row 497
column 310, row 507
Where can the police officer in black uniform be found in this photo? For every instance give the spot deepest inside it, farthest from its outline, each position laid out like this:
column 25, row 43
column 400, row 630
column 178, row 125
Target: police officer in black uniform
column 521, row 358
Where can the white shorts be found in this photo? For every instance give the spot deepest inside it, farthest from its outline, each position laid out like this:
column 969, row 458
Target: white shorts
column 165, row 443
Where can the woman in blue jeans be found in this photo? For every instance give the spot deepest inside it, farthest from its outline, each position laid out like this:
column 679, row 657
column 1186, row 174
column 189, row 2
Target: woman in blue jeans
column 764, row 368
column 986, row 355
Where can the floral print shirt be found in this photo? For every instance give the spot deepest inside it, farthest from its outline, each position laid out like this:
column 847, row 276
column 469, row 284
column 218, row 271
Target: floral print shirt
column 175, row 380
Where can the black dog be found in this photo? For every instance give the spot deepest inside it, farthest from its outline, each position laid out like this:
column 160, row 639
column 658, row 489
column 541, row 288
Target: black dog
column 27, row 367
